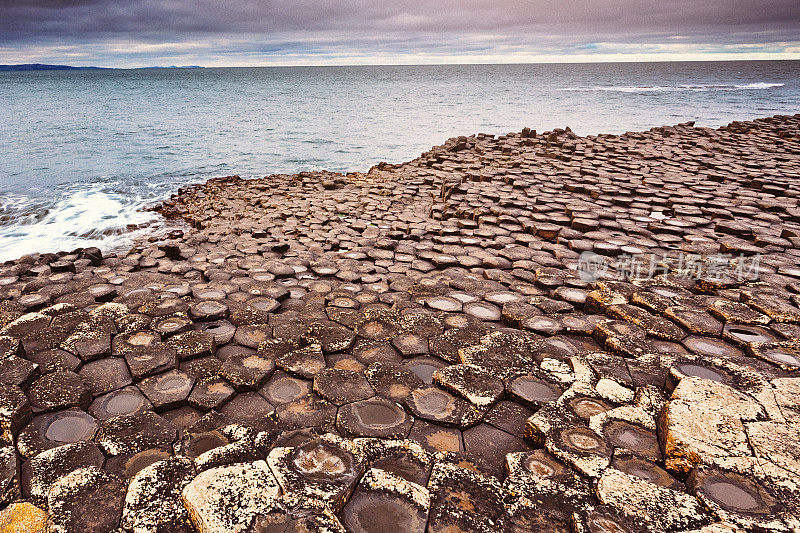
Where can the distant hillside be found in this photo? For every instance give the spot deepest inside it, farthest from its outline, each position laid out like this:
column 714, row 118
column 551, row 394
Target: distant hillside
column 40, row 66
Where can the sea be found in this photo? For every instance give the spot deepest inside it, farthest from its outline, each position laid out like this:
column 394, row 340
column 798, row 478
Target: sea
column 83, row 152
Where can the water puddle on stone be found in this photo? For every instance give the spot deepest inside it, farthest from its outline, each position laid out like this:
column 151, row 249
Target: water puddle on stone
column 702, row 372
column 433, row 401
column 69, row 428
column 123, row 403
column 171, row 384
column 378, row 415
column 731, row 496
column 534, row 390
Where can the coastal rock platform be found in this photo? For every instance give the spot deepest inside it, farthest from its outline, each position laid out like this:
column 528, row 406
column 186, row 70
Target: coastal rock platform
column 530, row 332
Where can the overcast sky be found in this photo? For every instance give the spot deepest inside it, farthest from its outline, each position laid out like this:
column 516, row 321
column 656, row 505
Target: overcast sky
column 128, row 33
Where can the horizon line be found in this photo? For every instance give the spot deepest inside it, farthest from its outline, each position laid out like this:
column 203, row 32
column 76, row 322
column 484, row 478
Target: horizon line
column 423, row 64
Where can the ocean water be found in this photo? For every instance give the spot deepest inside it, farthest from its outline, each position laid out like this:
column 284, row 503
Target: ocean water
column 81, row 152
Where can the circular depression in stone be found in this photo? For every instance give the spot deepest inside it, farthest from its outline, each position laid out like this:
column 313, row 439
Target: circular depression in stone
column 322, row 461
column 444, row 303
column 733, row 494
column 433, row 402
column 374, row 417
column 534, row 390
column 172, row 383
column 699, row 371
column 377, row 414
column 586, row 407
column 377, row 330
column 746, row 334
column 142, row 338
column 630, row 436
column 483, row 311
column 582, row 439
column 646, row 470
column 542, row 464
column 69, row 426
column 222, row 330
column 711, row 347
column 424, row 368
column 285, row 389
column 123, row 402
column 374, row 512
column 781, row 357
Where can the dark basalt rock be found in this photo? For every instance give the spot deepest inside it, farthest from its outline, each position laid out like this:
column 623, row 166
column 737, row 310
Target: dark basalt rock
column 130, row 434
column 490, row 446
column 436, row 438
column 283, row 388
column 375, row 417
column 45, row 468
column 436, row 405
column 249, row 408
column 210, row 393
column 461, row 499
column 247, row 371
column 306, row 411
column 126, row 401
column 168, row 390
column 342, row 386
column 153, row 501
column 87, row 499
column 51, row 430
column 392, row 381
column 464, row 323
column 383, row 500
column 150, row 360
column 59, row 390
column 105, row 375
column 318, row 469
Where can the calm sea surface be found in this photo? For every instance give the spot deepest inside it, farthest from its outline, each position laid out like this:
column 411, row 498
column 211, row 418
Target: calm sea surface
column 82, row 151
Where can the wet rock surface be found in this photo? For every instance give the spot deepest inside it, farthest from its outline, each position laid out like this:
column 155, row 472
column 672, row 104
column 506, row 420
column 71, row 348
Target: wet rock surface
column 530, row 332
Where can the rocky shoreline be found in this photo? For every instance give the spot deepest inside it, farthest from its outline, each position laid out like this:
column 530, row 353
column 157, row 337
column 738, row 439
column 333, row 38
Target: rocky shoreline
column 531, row 332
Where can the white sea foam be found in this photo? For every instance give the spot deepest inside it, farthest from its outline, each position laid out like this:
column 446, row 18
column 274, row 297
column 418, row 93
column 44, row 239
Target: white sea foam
column 675, row 88
column 79, row 219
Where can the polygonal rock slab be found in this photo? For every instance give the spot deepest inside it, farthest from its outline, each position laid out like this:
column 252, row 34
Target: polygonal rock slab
column 88, row 500
column 375, row 417
column 131, row 434
column 436, row 405
column 227, row 498
column 308, row 516
column 153, row 502
column 403, row 458
column 664, row 508
column 319, row 469
column 472, row 382
column 383, row 501
column 305, row 362
column 23, row 517
column 703, row 421
column 463, row 500
column 736, row 498
column 46, row 467
column 55, row 429
column 392, row 381
column 340, row 386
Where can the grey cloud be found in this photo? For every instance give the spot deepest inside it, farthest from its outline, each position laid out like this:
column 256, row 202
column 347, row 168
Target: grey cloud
column 404, row 25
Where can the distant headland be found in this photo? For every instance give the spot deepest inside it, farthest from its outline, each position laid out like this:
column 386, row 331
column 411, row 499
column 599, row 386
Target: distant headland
column 40, row 66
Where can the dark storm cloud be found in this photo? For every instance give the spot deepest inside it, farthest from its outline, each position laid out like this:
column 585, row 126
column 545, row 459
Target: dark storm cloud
column 404, row 26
